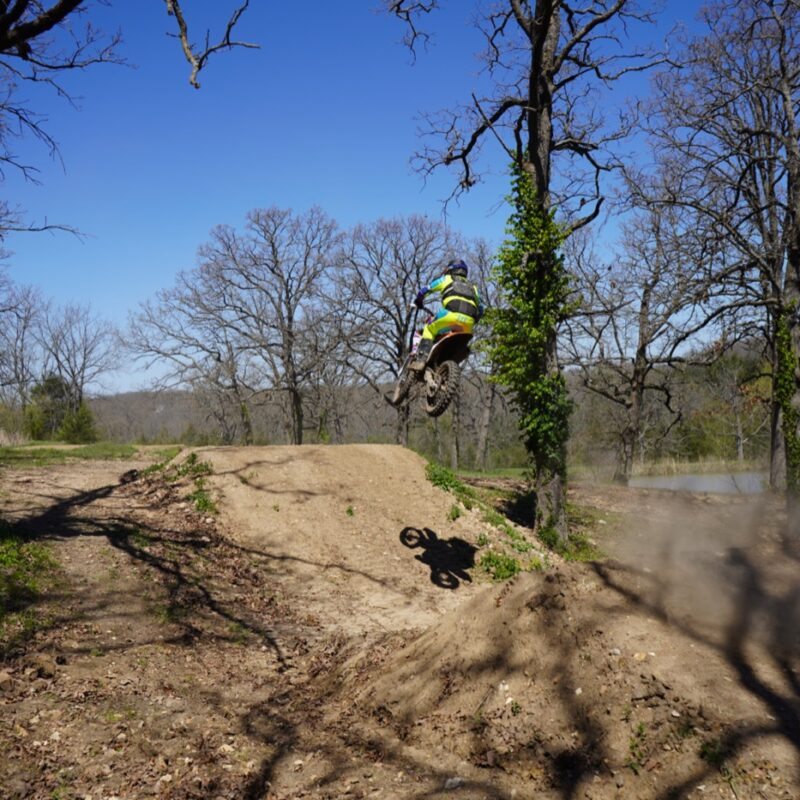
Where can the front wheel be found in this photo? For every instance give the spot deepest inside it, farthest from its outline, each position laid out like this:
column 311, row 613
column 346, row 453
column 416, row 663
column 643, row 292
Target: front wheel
column 442, row 389
column 403, row 386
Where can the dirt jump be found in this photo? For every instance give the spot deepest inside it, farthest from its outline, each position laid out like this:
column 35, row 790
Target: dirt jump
column 313, row 622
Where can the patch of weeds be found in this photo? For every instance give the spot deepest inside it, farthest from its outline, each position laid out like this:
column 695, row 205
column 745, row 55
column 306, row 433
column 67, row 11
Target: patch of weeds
column 166, row 454
column 96, row 652
column 141, row 540
column 201, row 499
column 63, row 792
column 549, row 537
column 716, row 753
column 350, row 511
column 500, row 566
column 479, row 721
column 26, row 569
column 276, row 507
column 469, row 499
column 154, row 468
column 442, row 477
column 482, row 540
column 446, row 479
column 685, row 729
column 169, row 614
column 627, row 710
column 577, row 547
column 26, row 456
column 193, row 467
column 454, row 513
column 636, row 745
column 581, row 548
column 247, row 480
column 516, row 708
column 238, row 632
column 536, row 565
column 128, row 713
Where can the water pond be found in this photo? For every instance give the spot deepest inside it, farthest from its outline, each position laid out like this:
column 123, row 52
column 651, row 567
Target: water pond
column 736, row 483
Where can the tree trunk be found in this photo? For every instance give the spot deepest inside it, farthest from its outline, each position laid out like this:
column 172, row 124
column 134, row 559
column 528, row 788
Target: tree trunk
column 455, row 431
column 550, row 510
column 777, row 453
column 739, row 435
column 247, row 424
column 296, row 400
column 401, row 428
column 483, row 429
column 624, row 465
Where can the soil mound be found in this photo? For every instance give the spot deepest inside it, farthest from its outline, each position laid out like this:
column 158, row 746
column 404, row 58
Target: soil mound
column 357, row 530
column 562, row 681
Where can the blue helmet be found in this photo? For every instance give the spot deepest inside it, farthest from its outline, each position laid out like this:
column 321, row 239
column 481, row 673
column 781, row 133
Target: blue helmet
column 458, row 267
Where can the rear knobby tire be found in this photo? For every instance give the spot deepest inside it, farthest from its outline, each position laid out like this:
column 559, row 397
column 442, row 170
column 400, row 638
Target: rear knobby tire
column 437, row 401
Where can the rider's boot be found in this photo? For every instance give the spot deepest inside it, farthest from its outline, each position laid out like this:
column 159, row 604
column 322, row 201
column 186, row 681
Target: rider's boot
column 421, row 356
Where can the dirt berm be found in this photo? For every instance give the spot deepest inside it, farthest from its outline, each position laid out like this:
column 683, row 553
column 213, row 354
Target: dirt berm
column 574, row 683
column 356, row 531
column 327, row 635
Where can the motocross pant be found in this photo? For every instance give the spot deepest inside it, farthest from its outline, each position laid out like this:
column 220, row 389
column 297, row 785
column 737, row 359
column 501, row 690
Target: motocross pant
column 447, row 322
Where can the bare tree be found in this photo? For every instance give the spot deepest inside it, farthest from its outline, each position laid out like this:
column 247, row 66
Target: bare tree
column 20, row 357
column 549, row 62
column 185, row 332
column 383, row 265
column 198, row 56
column 273, row 281
column 249, row 319
column 637, row 317
column 78, row 347
column 41, row 41
column 727, row 126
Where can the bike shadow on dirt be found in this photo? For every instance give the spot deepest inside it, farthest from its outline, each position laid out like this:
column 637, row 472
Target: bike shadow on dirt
column 448, row 559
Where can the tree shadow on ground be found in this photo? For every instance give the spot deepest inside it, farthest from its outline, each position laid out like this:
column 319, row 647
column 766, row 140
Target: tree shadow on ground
column 448, row 559
column 759, row 641
column 202, row 604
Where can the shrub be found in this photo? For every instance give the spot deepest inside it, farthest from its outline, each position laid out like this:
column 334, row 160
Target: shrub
column 500, row 567
column 78, row 426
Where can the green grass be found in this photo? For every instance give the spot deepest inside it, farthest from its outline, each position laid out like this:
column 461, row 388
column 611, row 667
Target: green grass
column 28, row 456
column 470, row 498
column 201, row 499
column 192, row 467
column 499, row 566
column 636, row 749
column 164, row 456
column 502, row 472
column 26, row 569
column 577, row 547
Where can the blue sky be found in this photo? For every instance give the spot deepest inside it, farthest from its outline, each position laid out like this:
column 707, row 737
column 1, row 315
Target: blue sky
column 326, row 113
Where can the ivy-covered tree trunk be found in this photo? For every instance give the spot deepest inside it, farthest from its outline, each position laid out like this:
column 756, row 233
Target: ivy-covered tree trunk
column 533, row 284
column 786, row 386
column 788, row 339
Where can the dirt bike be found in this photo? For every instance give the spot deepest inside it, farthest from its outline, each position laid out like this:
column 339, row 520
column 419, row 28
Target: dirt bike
column 441, row 374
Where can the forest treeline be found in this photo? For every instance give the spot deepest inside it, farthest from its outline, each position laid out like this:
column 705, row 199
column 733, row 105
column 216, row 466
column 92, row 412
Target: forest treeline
column 673, row 330
column 291, row 330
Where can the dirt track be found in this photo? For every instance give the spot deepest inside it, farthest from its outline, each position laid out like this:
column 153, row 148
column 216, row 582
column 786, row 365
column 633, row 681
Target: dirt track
column 294, row 646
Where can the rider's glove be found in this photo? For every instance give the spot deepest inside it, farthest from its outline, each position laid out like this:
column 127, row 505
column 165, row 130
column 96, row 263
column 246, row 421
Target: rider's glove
column 419, row 300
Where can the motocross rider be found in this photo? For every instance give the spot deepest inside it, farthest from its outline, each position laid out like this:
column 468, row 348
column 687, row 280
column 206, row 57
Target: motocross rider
column 462, row 308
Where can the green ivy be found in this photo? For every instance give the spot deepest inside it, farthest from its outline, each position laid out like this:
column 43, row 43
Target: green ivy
column 534, row 285
column 784, row 392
